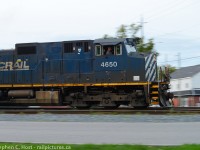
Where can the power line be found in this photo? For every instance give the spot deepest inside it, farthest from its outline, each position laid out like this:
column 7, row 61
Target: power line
column 167, row 9
column 191, row 3
column 188, row 58
column 178, row 31
column 172, row 9
column 160, row 9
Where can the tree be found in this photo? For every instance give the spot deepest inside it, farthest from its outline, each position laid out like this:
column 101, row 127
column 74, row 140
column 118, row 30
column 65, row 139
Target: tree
column 165, row 71
column 122, row 31
column 131, row 31
column 141, row 46
column 145, row 47
column 106, row 36
column 171, row 69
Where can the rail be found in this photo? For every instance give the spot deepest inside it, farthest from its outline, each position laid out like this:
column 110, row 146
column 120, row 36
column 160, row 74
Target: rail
column 98, row 110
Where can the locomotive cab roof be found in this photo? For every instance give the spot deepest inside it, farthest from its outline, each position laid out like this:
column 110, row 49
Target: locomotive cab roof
column 114, row 41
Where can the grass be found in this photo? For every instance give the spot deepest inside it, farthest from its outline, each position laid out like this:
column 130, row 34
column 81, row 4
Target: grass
column 28, row 146
column 134, row 147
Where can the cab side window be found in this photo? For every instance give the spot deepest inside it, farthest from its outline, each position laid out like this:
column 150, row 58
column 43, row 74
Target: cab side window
column 98, row 50
column 118, row 49
column 108, row 50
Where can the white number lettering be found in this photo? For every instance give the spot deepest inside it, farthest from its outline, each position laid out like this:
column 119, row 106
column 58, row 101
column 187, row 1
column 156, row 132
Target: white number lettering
column 106, row 64
column 109, row 64
column 115, row 64
column 102, row 64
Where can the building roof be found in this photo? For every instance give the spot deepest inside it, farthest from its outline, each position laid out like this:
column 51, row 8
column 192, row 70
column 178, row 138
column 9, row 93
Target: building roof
column 186, row 72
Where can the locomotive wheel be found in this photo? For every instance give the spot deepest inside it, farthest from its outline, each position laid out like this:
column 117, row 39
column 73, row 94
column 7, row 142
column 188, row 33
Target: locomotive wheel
column 79, row 104
column 139, row 103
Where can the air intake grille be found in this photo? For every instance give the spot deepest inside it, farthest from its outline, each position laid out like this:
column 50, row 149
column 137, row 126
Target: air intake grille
column 26, row 50
column 68, row 48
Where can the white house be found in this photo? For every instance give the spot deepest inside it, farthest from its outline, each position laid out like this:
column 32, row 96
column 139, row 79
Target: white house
column 185, row 84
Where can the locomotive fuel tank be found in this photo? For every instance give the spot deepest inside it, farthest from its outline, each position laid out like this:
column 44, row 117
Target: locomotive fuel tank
column 21, row 93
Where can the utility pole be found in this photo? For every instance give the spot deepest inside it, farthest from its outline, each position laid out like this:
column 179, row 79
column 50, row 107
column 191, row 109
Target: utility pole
column 179, row 80
column 142, row 26
column 166, row 59
column 179, row 60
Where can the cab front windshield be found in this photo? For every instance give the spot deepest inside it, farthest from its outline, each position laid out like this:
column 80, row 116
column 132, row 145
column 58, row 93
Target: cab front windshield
column 130, row 48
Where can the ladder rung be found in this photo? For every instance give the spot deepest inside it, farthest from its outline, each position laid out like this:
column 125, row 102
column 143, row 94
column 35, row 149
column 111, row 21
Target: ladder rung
column 154, row 103
column 154, row 98
column 154, row 86
column 154, row 92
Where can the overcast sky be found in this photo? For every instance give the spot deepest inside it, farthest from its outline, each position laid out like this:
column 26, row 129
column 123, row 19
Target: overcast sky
column 174, row 25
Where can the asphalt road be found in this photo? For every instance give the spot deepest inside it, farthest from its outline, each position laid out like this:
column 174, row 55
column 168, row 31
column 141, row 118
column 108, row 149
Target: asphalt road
column 100, row 132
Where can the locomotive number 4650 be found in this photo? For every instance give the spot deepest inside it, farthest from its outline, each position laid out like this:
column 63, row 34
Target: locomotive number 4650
column 109, row 64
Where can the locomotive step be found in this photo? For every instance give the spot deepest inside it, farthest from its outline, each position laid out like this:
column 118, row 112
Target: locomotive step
column 154, row 86
column 154, row 92
column 154, row 103
column 155, row 98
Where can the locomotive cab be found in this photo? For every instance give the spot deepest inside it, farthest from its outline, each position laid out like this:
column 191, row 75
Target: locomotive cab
column 119, row 59
column 109, row 57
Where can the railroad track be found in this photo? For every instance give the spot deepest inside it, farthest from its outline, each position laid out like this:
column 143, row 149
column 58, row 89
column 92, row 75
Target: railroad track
column 122, row 110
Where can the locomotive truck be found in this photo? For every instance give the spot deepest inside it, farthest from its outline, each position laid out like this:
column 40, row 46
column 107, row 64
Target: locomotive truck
column 82, row 74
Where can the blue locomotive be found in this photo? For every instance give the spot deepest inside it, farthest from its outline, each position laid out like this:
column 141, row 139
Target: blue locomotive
column 82, row 73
